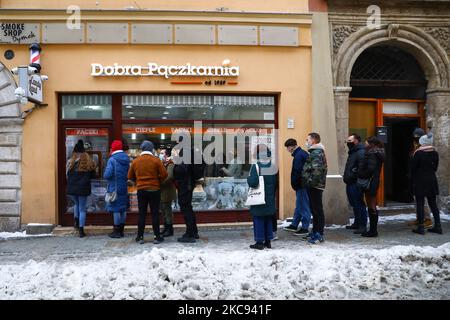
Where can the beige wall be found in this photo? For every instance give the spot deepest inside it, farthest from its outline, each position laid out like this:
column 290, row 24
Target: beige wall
column 200, row 5
column 286, row 71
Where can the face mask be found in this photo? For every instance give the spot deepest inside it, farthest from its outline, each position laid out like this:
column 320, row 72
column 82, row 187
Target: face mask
column 308, row 145
column 350, row 145
column 161, row 157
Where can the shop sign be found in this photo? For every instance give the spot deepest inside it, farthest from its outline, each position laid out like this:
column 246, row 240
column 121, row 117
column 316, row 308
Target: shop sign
column 154, row 70
column 17, row 33
column 35, row 88
column 88, row 132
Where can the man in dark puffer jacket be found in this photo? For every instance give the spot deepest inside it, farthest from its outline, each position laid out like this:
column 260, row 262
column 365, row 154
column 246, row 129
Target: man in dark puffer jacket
column 355, row 196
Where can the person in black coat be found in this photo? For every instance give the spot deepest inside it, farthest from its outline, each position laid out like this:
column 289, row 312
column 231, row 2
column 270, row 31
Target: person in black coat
column 369, row 171
column 80, row 169
column 355, row 195
column 423, row 170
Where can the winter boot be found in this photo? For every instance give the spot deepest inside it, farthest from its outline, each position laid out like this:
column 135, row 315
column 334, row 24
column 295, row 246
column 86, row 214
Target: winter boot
column 121, row 230
column 257, row 246
column 436, row 229
column 420, row 229
column 76, row 224
column 373, row 220
column 116, row 233
column 267, row 244
column 168, row 230
column 81, row 232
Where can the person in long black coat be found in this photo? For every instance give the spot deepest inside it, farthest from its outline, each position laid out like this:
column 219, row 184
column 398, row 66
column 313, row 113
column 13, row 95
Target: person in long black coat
column 423, row 170
column 370, row 169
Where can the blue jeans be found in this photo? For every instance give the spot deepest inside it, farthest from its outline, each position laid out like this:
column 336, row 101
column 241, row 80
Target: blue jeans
column 262, row 228
column 302, row 210
column 356, row 199
column 120, row 218
column 79, row 211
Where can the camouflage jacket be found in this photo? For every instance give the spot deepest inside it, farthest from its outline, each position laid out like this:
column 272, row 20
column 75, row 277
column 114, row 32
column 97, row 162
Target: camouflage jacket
column 314, row 172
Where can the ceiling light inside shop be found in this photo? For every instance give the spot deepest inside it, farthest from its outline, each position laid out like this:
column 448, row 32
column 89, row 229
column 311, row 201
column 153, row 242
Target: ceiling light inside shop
column 132, row 118
column 93, row 107
column 129, row 107
column 168, row 107
column 130, row 112
column 133, row 136
column 164, row 118
column 163, row 136
column 166, row 112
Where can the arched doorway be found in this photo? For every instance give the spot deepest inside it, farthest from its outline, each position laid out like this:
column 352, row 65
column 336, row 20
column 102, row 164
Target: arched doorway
column 388, row 93
column 435, row 64
column 10, row 153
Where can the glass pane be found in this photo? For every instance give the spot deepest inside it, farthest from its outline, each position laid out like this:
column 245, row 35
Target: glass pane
column 96, row 142
column 225, row 184
column 198, row 107
column 86, row 107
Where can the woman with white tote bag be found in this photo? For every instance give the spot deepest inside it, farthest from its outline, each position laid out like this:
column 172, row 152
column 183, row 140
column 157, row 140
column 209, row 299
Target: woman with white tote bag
column 261, row 198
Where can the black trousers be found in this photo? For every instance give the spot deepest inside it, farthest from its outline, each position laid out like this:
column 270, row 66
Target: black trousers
column 185, row 203
column 146, row 198
column 420, row 207
column 274, row 223
column 315, row 202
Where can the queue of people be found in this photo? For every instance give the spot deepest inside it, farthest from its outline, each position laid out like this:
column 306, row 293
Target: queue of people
column 159, row 182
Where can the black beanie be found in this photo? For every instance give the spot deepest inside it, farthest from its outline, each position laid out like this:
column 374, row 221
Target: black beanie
column 79, row 147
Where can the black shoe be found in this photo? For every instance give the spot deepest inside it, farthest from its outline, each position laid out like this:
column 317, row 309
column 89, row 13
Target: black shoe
column 196, row 236
column 158, row 240
column 186, row 239
column 140, row 239
column 267, row 244
column 420, row 230
column 121, row 230
column 168, row 230
column 81, row 232
column 360, row 230
column 301, row 232
column 370, row 234
column 257, row 246
column 436, row 229
column 352, row 227
column 76, row 224
column 291, row 228
column 116, row 233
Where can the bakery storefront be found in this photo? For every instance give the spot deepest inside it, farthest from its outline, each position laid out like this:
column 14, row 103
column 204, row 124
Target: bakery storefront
column 220, row 197
column 150, row 75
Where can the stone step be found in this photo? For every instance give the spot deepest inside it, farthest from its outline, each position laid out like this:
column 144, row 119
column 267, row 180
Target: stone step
column 100, row 230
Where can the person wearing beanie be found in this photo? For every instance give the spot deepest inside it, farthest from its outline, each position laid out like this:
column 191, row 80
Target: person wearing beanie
column 116, row 174
column 425, row 185
column 417, row 134
column 80, row 169
column 148, row 172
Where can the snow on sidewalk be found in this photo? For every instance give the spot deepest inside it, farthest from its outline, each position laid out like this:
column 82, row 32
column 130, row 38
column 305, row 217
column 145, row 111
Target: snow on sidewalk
column 236, row 272
column 19, row 235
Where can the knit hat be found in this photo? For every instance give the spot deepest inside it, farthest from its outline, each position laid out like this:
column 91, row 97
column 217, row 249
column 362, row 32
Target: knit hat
column 418, row 132
column 79, row 147
column 147, row 146
column 426, row 140
column 116, row 145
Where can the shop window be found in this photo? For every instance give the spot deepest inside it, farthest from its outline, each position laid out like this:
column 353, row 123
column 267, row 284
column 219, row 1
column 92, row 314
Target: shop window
column 175, row 107
column 224, row 187
column 96, row 145
column 86, row 107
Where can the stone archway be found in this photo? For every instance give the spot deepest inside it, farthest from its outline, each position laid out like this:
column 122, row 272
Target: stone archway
column 10, row 153
column 436, row 66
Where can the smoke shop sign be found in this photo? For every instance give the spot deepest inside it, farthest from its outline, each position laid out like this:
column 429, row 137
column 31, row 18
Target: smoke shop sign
column 154, row 70
column 12, row 32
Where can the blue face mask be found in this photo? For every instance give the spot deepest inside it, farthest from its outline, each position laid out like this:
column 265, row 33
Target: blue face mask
column 161, row 157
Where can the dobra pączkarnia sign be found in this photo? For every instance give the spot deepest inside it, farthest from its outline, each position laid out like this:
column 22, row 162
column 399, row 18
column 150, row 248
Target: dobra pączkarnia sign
column 155, row 70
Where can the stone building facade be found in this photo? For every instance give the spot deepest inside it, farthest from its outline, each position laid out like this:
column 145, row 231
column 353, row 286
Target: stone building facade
column 420, row 28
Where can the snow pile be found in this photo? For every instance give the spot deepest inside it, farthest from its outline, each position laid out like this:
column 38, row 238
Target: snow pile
column 321, row 272
column 19, row 235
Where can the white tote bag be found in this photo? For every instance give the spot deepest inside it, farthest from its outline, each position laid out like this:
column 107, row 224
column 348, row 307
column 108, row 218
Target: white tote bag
column 256, row 196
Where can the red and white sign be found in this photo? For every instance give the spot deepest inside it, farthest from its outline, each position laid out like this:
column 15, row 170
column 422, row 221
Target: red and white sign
column 87, row 132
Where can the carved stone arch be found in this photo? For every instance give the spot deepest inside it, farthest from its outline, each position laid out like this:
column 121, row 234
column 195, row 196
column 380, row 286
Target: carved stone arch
column 435, row 63
column 427, row 51
column 10, row 153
